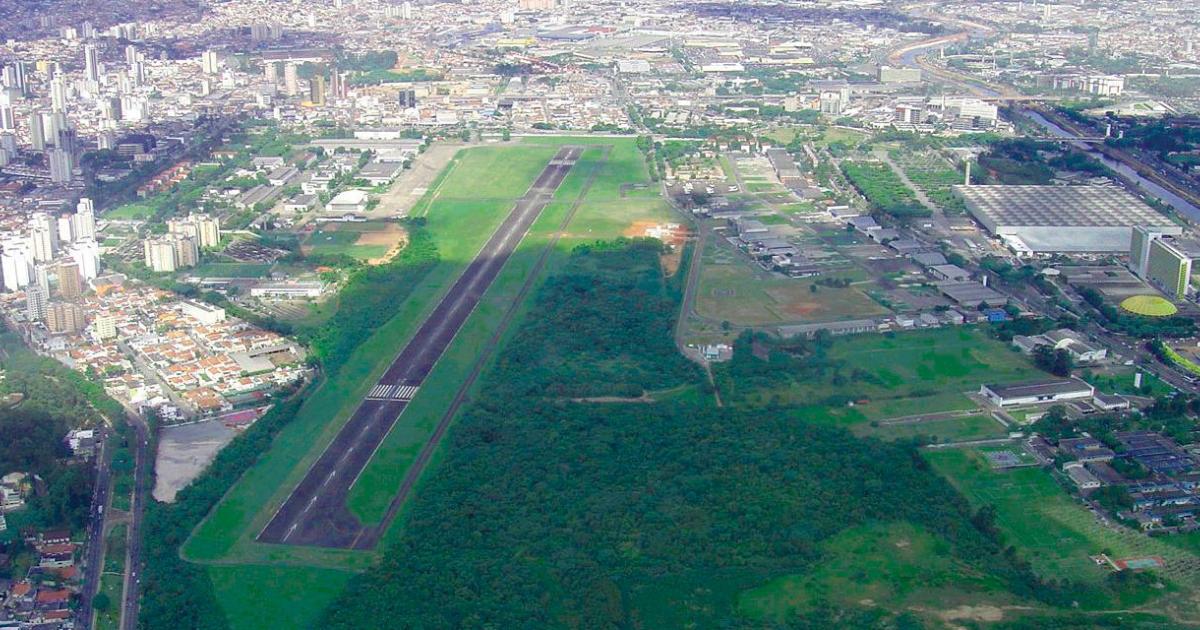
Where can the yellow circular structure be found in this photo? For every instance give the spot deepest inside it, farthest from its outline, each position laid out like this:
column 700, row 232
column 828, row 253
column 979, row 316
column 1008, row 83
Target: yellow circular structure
column 1149, row 306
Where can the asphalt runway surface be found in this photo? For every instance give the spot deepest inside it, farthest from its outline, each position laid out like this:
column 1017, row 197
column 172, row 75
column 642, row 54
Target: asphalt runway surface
column 315, row 514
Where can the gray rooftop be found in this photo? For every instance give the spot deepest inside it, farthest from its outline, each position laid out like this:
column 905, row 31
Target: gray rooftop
column 1058, row 206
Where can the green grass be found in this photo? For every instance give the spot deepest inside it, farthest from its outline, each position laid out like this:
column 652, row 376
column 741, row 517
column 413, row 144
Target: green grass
column 275, row 597
column 732, row 289
column 460, row 224
column 130, row 211
column 112, row 578
column 896, row 566
column 340, row 241
column 1050, row 529
column 973, row 427
column 112, row 586
column 903, row 373
column 599, row 217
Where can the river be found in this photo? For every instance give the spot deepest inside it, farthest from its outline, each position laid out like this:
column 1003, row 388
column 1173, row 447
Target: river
column 1175, row 201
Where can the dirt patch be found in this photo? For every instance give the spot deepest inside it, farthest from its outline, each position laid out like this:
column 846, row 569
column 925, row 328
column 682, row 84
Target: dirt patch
column 973, row 613
column 802, row 309
column 673, row 235
column 644, row 398
column 395, row 236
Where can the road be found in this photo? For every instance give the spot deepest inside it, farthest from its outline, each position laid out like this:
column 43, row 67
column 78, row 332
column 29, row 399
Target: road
column 133, row 546
column 315, row 514
column 94, row 552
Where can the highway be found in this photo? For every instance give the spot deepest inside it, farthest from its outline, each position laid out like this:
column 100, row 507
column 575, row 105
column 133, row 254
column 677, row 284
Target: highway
column 93, row 556
column 133, row 548
column 315, row 514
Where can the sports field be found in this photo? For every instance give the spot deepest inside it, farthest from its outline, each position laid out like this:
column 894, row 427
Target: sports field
column 1054, row 531
column 462, row 208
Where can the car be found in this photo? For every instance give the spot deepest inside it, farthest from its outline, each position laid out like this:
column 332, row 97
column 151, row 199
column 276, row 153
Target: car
column 734, row 189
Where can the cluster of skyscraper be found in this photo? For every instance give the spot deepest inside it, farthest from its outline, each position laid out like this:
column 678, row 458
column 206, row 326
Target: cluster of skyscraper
column 54, row 255
column 180, row 247
column 52, row 131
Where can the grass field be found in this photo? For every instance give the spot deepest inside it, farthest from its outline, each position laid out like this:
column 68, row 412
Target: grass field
column 1052, row 530
column 732, row 289
column 903, row 374
column 896, row 566
column 365, row 241
column 460, row 221
column 112, row 586
column 972, row 427
column 129, row 211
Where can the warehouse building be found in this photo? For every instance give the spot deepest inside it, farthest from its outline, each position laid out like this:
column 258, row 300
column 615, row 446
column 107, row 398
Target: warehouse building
column 1062, row 219
column 1037, row 392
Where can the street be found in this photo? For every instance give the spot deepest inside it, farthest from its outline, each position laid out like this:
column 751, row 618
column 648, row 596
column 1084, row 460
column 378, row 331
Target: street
column 133, row 548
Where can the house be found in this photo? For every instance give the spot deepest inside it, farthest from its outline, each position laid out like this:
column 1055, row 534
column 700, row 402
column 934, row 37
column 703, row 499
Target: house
column 1081, row 476
column 1086, row 450
column 929, row 259
column 864, row 224
column 380, row 173
column 350, row 201
column 1037, row 392
column 952, row 273
column 283, row 175
column 1080, row 349
column 300, row 204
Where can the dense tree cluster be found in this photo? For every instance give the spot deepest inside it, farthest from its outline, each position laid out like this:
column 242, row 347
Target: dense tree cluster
column 606, row 329
column 1136, row 325
column 883, row 188
column 370, row 297
column 178, row 594
column 551, row 513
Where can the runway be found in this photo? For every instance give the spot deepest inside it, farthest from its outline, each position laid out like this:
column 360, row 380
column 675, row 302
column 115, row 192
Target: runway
column 315, row 514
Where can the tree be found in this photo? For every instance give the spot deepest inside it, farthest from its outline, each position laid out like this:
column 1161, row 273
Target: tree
column 101, row 602
column 1057, row 362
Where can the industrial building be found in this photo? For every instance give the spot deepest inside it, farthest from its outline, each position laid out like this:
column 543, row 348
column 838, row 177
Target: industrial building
column 1163, row 261
column 1062, row 219
column 1037, row 392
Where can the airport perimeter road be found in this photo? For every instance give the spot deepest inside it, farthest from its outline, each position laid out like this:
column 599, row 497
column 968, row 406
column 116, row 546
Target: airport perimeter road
column 315, row 514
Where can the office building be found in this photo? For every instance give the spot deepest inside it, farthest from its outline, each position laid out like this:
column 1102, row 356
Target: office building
column 105, row 327
column 43, row 237
column 37, row 131
column 70, row 285
column 91, row 63
column 159, row 254
column 291, row 80
column 37, row 299
column 62, row 166
column 316, row 90
column 86, row 254
column 84, row 220
column 1164, row 261
column 15, row 264
column 210, row 62
column 58, row 93
column 63, row 318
